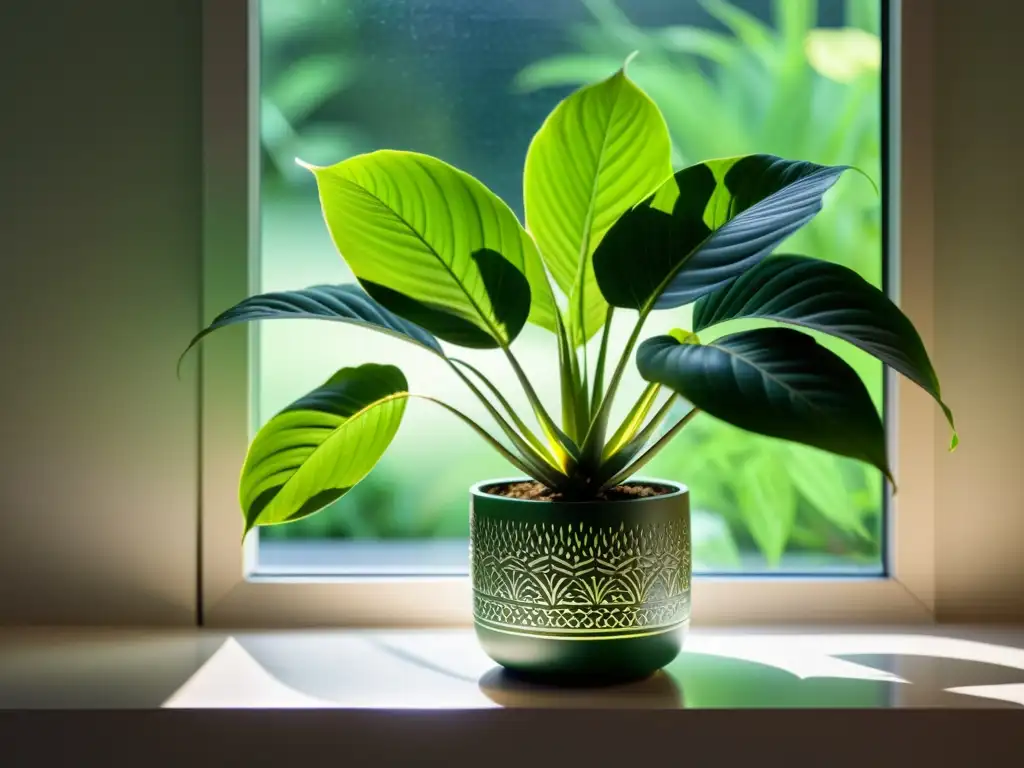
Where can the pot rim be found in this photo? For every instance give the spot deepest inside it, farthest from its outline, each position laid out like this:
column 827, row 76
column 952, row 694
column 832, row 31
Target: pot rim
column 477, row 490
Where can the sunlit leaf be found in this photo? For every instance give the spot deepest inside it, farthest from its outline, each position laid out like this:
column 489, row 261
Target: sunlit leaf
column 598, row 153
column 315, row 450
column 434, row 245
column 844, row 55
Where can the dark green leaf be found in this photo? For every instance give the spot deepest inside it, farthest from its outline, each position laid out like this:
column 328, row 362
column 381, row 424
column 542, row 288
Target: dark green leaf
column 776, row 382
column 340, row 303
column 705, row 226
column 499, row 277
column 829, row 298
column 315, row 450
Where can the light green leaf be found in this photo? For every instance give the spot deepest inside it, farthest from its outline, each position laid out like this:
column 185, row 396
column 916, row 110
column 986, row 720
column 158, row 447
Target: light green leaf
column 315, row 450
column 844, row 55
column 434, row 245
column 598, row 153
column 776, row 382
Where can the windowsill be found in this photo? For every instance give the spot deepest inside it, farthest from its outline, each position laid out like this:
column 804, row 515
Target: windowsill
column 325, row 558
column 391, row 691
column 73, row 668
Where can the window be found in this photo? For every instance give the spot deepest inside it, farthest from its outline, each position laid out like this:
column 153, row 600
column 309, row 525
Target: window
column 470, row 81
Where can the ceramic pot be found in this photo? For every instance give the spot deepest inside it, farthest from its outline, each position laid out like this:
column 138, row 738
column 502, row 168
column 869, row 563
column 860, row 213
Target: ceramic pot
column 581, row 592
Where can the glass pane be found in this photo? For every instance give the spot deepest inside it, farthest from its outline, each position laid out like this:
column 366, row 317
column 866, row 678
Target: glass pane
column 470, row 81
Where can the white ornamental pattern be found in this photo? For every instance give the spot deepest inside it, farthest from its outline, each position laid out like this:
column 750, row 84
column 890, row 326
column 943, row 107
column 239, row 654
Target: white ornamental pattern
column 579, row 578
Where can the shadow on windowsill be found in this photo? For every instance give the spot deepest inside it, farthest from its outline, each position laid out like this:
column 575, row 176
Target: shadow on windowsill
column 659, row 691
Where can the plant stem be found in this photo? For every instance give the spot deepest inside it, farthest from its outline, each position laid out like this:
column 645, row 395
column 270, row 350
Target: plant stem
column 567, row 380
column 651, row 452
column 593, row 445
column 550, row 480
column 548, row 426
column 531, row 438
column 633, row 421
column 617, row 455
column 598, row 395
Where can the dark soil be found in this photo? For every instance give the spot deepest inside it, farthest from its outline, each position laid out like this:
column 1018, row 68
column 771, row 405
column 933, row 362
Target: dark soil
column 534, row 491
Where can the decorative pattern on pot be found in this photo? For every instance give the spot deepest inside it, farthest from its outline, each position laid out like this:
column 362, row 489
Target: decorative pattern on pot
column 579, row 580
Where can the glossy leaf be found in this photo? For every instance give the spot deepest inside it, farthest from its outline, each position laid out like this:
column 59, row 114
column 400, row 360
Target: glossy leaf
column 603, row 149
column 776, row 382
column 706, row 226
column 338, row 303
column 829, row 298
column 315, row 450
column 434, row 245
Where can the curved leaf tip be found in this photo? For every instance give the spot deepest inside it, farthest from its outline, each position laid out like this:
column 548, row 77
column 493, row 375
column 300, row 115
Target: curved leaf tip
column 831, row 299
column 864, row 173
column 318, row 448
column 684, row 337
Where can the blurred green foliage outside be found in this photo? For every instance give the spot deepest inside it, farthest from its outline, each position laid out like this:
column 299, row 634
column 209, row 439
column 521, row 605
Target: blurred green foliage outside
column 469, row 81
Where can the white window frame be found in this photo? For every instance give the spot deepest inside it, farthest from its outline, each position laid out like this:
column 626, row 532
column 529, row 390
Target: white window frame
column 231, row 598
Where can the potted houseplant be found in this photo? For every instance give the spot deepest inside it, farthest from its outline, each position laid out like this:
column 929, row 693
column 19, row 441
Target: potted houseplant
column 578, row 571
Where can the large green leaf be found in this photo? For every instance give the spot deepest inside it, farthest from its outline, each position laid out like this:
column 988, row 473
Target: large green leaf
column 434, row 245
column 829, row 298
column 598, row 153
column 705, row 226
column 315, row 450
column 776, row 382
column 338, row 303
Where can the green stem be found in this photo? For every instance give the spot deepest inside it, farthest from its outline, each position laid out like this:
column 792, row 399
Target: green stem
column 531, row 438
column 550, row 429
column 593, row 445
column 615, row 459
column 567, row 380
column 514, row 460
column 598, row 395
column 651, row 452
column 634, row 419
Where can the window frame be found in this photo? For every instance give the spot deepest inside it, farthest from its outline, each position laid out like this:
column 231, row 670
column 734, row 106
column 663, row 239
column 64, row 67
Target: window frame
column 228, row 597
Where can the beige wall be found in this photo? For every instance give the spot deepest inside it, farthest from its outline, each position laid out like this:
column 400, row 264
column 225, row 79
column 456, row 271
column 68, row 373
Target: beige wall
column 979, row 283
column 99, row 242
column 99, row 289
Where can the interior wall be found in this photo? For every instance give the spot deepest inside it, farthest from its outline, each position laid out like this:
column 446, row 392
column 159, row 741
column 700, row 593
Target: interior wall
column 99, row 291
column 979, row 277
